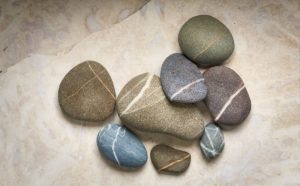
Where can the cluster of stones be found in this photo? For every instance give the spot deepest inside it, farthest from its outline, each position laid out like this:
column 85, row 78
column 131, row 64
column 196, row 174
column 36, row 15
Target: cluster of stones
column 164, row 104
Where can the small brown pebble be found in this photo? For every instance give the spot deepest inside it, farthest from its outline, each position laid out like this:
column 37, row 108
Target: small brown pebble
column 169, row 160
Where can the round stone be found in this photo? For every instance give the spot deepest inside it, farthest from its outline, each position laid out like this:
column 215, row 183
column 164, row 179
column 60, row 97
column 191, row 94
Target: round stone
column 206, row 41
column 142, row 105
column 212, row 141
column 121, row 146
column 181, row 80
column 87, row 92
column 227, row 99
column 169, row 160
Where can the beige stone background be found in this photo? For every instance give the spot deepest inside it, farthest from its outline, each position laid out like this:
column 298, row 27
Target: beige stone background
column 40, row 146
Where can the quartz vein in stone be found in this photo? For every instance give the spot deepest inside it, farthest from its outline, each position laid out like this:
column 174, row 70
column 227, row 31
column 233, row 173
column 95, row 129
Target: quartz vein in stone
column 212, row 141
column 139, row 96
column 186, row 87
column 229, row 102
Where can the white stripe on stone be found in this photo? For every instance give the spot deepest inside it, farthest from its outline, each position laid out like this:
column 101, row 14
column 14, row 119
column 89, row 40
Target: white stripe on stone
column 228, row 102
column 136, row 99
column 129, row 92
column 186, row 87
column 113, row 145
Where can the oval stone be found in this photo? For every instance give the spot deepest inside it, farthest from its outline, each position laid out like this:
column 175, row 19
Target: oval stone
column 181, row 80
column 169, row 160
column 142, row 105
column 227, row 99
column 121, row 146
column 212, row 141
column 206, row 41
column 87, row 92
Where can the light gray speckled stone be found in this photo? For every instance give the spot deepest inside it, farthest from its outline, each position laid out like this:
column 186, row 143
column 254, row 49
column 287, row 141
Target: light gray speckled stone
column 181, row 80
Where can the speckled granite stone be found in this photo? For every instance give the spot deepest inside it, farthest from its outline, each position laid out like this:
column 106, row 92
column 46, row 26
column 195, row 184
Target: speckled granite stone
column 206, row 41
column 227, row 99
column 181, row 80
column 212, row 141
column 87, row 92
column 121, row 146
column 143, row 105
column 169, row 160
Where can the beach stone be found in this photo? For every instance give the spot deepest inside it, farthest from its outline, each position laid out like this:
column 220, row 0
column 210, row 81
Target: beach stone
column 87, row 92
column 121, row 146
column 227, row 99
column 212, row 141
column 142, row 105
column 181, row 80
column 206, row 41
column 169, row 160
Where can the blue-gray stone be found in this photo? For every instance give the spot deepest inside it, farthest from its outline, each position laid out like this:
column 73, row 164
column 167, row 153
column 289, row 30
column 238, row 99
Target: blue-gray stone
column 212, row 141
column 182, row 80
column 121, row 146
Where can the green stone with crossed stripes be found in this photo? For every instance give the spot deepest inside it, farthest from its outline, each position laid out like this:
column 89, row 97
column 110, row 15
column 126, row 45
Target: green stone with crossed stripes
column 212, row 141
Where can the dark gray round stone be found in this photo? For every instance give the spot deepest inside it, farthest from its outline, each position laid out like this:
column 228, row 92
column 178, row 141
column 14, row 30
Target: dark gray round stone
column 212, row 141
column 87, row 92
column 227, row 99
column 206, row 41
column 181, row 80
column 121, row 146
column 169, row 160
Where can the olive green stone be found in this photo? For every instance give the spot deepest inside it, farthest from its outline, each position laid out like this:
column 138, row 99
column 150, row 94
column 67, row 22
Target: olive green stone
column 169, row 160
column 142, row 105
column 206, row 41
column 87, row 92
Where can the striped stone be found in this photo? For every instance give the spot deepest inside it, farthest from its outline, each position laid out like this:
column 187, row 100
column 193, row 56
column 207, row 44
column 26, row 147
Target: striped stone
column 182, row 80
column 227, row 99
column 142, row 105
column 169, row 160
column 87, row 92
column 121, row 146
column 212, row 141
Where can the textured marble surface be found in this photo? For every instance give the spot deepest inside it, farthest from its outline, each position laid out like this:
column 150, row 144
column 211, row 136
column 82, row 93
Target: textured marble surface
column 39, row 146
column 54, row 26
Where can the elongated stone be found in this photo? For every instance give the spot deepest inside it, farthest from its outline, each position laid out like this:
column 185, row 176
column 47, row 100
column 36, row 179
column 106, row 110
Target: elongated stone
column 121, row 146
column 87, row 92
column 212, row 141
column 181, row 80
column 169, row 160
column 142, row 105
column 227, row 99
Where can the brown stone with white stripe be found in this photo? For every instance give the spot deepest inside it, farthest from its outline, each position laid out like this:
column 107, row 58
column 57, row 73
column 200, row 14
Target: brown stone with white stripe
column 227, row 99
column 142, row 105
column 87, row 92
column 169, row 160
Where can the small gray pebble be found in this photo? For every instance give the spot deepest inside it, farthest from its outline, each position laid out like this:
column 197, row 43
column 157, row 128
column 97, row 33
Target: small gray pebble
column 212, row 141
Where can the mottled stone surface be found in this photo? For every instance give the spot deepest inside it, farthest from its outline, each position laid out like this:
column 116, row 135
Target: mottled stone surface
column 121, row 146
column 206, row 40
column 169, row 160
column 212, row 141
column 227, row 98
column 87, row 92
column 143, row 105
column 53, row 26
column 181, row 80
